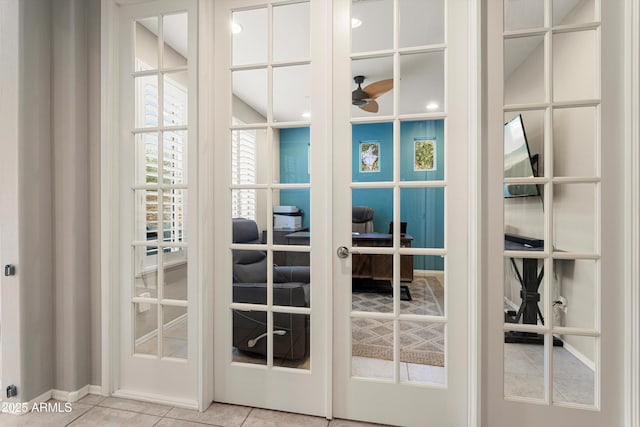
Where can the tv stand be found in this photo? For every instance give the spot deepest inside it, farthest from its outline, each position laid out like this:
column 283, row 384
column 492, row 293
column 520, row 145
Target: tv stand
column 530, row 279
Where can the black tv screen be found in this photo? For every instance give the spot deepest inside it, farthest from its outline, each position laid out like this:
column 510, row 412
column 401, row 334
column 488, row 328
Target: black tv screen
column 517, row 159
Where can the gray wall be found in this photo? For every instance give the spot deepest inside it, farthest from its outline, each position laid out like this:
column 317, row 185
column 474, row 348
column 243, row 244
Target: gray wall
column 71, row 253
column 49, row 193
column 93, row 38
column 26, row 222
column 35, row 207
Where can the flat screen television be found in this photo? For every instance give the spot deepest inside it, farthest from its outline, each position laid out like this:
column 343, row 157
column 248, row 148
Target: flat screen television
column 518, row 162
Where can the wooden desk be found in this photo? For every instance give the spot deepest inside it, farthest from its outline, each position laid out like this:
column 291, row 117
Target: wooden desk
column 370, row 266
column 380, row 267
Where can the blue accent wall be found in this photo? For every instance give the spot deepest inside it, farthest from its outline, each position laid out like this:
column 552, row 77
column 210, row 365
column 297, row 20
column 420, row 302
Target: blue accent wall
column 294, row 168
column 422, row 209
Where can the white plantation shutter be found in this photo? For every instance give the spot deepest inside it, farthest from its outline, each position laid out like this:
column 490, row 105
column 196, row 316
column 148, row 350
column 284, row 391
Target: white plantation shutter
column 243, row 171
column 173, row 144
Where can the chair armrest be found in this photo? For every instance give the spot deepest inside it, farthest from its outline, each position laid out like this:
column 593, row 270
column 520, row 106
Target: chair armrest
column 295, row 294
column 284, row 274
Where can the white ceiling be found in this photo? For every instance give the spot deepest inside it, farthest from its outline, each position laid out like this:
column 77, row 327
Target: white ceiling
column 421, row 75
column 175, row 30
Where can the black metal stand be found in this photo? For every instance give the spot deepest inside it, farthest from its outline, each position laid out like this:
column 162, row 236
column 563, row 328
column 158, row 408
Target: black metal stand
column 529, row 310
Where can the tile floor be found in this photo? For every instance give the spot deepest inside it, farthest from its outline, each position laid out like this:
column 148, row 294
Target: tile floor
column 94, row 410
column 573, row 381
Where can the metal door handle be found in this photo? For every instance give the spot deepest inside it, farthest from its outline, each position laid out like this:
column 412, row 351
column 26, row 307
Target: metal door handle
column 343, row 252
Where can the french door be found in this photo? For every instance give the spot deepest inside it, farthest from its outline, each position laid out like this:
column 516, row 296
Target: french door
column 555, row 347
column 271, row 218
column 156, row 313
column 401, row 161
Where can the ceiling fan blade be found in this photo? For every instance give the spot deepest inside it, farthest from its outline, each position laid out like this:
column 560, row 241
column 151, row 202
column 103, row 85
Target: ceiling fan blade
column 379, row 88
column 371, row 107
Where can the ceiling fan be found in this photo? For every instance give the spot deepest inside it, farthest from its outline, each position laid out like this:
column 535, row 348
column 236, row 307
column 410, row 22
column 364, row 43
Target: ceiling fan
column 365, row 98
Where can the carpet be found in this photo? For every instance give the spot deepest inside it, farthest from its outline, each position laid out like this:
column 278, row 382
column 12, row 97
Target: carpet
column 420, row 342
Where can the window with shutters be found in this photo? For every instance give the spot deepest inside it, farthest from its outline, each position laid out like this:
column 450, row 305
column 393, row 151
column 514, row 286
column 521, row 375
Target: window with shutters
column 243, row 171
column 172, row 158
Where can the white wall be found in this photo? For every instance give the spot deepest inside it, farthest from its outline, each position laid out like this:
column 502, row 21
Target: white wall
column 574, row 155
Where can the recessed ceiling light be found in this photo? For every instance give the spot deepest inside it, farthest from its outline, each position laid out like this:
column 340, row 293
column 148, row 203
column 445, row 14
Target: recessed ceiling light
column 235, row 28
column 432, row 106
column 306, row 115
column 355, row 22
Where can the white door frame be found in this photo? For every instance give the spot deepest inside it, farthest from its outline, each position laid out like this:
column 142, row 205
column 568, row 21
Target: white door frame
column 475, row 163
column 110, row 209
column 631, row 274
column 242, row 383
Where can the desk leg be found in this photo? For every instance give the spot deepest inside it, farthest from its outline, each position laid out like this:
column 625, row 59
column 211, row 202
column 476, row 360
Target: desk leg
column 529, row 309
column 529, row 294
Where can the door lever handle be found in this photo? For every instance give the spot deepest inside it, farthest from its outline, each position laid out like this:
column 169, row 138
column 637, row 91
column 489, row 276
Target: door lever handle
column 343, row 252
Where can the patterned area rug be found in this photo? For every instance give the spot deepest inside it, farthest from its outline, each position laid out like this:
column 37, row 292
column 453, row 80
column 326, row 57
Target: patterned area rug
column 420, row 342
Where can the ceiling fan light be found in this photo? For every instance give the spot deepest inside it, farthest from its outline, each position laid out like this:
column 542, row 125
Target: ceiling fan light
column 355, row 22
column 432, row 106
column 306, row 115
column 235, row 28
column 359, row 102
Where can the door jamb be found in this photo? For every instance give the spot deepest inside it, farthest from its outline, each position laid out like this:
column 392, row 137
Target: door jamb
column 632, row 219
column 109, row 203
column 475, row 217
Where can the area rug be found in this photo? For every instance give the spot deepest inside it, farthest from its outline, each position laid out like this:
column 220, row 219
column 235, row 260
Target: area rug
column 420, row 342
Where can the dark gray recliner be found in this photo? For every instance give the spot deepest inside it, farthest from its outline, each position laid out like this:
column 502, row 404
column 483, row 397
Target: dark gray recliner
column 290, row 288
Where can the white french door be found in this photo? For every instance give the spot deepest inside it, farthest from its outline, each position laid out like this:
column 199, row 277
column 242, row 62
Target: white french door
column 555, row 330
column 156, row 312
column 271, row 219
column 401, row 155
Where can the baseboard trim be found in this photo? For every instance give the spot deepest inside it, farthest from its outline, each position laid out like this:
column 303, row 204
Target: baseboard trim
column 70, row 396
column 96, row 389
column 156, row 398
column 581, row 357
column 21, row 408
column 154, row 333
column 18, row 408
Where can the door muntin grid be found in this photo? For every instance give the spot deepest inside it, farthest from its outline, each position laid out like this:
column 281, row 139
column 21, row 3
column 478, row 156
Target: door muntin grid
column 402, row 129
column 275, row 65
column 159, row 188
column 566, row 216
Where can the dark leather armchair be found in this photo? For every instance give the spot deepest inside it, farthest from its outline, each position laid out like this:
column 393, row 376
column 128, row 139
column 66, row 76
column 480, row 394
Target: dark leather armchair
column 361, row 219
column 290, row 288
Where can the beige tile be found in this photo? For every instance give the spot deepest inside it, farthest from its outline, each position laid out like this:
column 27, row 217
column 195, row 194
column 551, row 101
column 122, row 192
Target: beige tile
column 53, row 415
column 171, row 422
column 265, row 418
column 100, row 416
column 92, row 399
column 135, row 406
column 347, row 423
column 219, row 414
